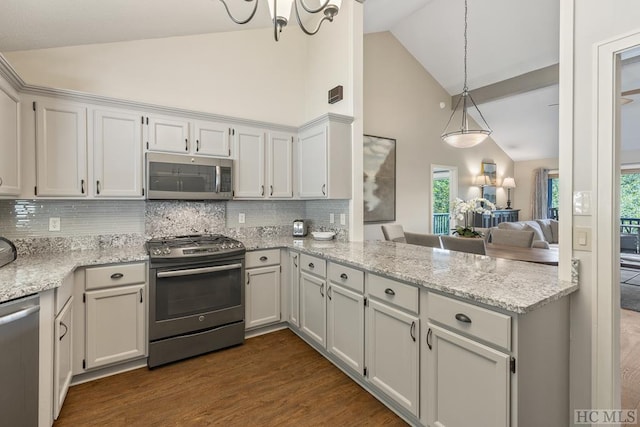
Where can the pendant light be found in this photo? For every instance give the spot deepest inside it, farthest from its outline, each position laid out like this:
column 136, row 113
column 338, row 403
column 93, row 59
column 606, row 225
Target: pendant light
column 464, row 137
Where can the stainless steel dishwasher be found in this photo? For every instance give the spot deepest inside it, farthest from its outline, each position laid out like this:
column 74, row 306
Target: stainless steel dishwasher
column 19, row 321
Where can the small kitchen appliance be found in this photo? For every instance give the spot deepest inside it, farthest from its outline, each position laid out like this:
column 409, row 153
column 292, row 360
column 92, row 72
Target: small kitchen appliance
column 8, row 251
column 299, row 228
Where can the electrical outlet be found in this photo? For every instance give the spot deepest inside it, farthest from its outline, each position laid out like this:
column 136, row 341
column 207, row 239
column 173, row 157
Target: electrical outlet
column 343, row 219
column 332, row 218
column 241, row 218
column 54, row 224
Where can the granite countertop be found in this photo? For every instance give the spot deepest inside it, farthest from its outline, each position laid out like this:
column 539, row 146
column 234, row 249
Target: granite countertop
column 514, row 286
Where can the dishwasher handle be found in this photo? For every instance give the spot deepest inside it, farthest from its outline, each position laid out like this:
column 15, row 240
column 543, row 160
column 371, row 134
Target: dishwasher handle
column 10, row 318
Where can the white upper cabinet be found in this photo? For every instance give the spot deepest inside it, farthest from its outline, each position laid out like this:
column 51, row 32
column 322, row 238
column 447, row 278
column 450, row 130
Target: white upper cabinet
column 61, row 148
column 168, row 134
column 211, row 139
column 117, row 154
column 280, row 165
column 249, row 167
column 324, row 158
column 9, row 140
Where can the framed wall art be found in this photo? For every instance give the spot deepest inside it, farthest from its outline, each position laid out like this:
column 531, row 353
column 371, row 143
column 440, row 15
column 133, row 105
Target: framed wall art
column 379, row 161
column 489, row 191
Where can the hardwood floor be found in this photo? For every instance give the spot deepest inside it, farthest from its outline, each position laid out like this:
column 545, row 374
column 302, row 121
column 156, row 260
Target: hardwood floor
column 271, row 380
column 630, row 360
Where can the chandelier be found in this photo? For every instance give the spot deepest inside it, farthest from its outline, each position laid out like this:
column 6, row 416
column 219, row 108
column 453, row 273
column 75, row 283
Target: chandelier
column 464, row 137
column 280, row 11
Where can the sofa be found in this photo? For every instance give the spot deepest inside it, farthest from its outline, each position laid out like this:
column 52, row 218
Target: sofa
column 545, row 231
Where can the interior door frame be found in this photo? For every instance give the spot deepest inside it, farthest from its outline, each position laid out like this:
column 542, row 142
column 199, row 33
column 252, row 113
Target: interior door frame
column 606, row 297
column 453, row 188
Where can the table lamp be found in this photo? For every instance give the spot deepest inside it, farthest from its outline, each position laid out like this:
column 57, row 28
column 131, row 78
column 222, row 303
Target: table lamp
column 508, row 183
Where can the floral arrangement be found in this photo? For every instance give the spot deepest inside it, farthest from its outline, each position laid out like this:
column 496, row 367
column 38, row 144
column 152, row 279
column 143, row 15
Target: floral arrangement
column 464, row 210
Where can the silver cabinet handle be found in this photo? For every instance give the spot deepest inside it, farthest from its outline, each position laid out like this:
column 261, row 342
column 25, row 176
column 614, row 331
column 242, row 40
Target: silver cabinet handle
column 429, row 335
column 329, row 293
column 116, row 276
column 344, row 276
column 248, row 278
column 460, row 317
column 271, row 190
column 140, row 295
column 9, row 318
column 186, row 144
column 412, row 330
column 98, row 186
column 295, row 258
column 82, row 186
column 389, row 291
column 262, row 190
column 322, row 289
column 311, row 265
column 323, row 187
column 204, row 270
column 0, row 180
column 197, row 145
column 263, row 258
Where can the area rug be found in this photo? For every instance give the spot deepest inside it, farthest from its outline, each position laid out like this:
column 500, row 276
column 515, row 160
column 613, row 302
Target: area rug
column 630, row 297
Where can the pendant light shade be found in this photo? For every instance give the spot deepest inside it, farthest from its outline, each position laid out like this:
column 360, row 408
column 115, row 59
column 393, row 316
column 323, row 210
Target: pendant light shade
column 464, row 136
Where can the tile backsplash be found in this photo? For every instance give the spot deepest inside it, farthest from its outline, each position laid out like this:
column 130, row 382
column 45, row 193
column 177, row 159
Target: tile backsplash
column 136, row 220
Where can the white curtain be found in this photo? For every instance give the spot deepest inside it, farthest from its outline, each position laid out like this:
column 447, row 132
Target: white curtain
column 539, row 202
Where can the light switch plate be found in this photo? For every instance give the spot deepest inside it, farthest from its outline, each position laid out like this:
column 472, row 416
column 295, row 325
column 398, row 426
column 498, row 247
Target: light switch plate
column 582, row 239
column 241, row 218
column 582, row 202
column 343, row 219
column 332, row 218
column 54, row 224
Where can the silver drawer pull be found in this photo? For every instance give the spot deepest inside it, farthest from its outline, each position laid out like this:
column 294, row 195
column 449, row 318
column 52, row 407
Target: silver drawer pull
column 311, row 265
column 115, row 276
column 389, row 291
column 263, row 258
column 344, row 276
column 463, row 318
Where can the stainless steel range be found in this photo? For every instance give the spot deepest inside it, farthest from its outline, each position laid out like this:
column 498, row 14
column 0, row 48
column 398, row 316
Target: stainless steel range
column 196, row 291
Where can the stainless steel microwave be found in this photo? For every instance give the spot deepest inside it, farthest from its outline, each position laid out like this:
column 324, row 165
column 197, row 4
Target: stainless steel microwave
column 180, row 177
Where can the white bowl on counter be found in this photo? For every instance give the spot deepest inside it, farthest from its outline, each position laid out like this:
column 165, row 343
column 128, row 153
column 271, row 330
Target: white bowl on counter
column 323, row 235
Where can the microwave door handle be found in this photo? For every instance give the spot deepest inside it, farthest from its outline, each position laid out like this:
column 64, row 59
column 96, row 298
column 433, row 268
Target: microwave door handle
column 218, row 177
column 191, row 271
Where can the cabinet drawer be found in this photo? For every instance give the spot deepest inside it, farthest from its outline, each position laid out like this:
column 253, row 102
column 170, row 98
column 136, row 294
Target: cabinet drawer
column 115, row 275
column 262, row 258
column 347, row 277
column 313, row 265
column 478, row 322
column 400, row 294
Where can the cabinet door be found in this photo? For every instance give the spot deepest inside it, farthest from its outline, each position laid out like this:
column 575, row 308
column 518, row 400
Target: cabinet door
column 294, row 293
column 312, row 164
column 63, row 350
column 211, row 138
column 313, row 307
column 392, row 353
column 249, row 168
column 468, row 382
column 61, row 148
column 345, row 326
column 263, row 296
column 168, row 134
column 115, row 325
column 117, row 155
column 280, row 165
column 9, row 140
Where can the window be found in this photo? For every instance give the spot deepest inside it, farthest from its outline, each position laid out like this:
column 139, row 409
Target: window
column 441, row 202
column 553, row 195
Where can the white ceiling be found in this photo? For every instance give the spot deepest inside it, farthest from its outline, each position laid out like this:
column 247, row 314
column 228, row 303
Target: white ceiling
column 506, row 38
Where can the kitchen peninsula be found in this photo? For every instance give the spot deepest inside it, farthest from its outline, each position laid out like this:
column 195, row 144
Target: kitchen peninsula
column 493, row 327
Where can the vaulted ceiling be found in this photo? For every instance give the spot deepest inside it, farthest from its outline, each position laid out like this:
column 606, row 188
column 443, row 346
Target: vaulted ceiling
column 506, row 38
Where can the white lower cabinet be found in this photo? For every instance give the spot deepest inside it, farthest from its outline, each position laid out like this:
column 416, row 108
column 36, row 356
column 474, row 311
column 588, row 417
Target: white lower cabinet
column 116, row 327
column 468, row 383
column 294, row 288
column 262, row 297
column 345, row 326
column 313, row 307
column 63, row 353
column 393, row 353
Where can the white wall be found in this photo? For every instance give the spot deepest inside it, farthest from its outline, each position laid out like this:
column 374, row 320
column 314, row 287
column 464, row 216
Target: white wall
column 523, row 175
column 242, row 74
column 401, row 101
column 594, row 21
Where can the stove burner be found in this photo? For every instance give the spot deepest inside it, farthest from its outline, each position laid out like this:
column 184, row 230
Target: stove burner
column 196, row 245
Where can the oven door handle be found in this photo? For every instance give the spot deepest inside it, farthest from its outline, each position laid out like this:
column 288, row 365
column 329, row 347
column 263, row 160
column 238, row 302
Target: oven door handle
column 204, row 270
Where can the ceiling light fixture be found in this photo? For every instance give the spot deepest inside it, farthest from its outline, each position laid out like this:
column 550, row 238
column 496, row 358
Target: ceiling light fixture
column 465, row 137
column 280, row 11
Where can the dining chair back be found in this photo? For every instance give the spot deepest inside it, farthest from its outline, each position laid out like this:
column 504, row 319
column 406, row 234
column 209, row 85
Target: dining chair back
column 430, row 240
column 463, row 244
column 394, row 233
